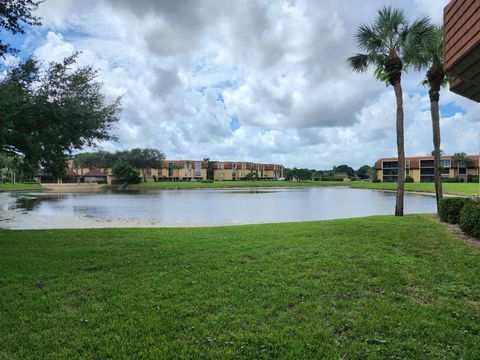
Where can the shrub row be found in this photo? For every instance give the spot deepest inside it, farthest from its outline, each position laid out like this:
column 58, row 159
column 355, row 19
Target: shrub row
column 464, row 212
column 470, row 219
column 470, row 179
column 449, row 209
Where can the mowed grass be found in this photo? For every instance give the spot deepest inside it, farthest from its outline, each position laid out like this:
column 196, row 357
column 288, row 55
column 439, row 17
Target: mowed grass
column 233, row 184
column 377, row 288
column 20, row 187
column 466, row 189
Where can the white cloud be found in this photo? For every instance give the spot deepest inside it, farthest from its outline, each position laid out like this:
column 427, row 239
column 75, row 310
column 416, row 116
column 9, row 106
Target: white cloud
column 250, row 80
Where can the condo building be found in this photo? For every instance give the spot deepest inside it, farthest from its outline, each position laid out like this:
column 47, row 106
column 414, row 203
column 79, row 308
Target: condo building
column 175, row 170
column 462, row 47
column 421, row 168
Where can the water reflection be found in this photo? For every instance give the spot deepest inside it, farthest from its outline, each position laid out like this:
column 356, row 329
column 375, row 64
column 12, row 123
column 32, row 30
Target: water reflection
column 212, row 206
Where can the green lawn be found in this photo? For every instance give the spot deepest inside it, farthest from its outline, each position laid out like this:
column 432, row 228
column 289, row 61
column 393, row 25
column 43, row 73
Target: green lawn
column 233, row 184
column 378, row 287
column 20, row 187
column 467, row 189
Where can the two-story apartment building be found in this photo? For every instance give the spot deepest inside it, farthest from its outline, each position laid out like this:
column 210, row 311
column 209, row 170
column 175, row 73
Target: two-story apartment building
column 226, row 171
column 175, row 170
column 462, row 47
column 421, row 168
column 181, row 170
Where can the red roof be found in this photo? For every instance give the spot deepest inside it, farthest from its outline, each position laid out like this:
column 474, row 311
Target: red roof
column 94, row 172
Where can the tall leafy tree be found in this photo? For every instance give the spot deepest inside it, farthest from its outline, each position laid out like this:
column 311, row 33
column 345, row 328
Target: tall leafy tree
column 101, row 159
column 364, row 172
column 14, row 14
column 387, row 46
column 48, row 113
column 143, row 159
column 429, row 56
column 345, row 169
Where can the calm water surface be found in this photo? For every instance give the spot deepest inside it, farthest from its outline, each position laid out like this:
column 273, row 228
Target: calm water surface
column 199, row 207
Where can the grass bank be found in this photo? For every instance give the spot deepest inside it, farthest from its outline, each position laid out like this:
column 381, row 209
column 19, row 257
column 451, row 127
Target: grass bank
column 466, row 189
column 233, row 184
column 379, row 287
column 20, row 187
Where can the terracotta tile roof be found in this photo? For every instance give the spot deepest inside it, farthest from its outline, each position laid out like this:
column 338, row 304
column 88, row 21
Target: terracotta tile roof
column 94, row 172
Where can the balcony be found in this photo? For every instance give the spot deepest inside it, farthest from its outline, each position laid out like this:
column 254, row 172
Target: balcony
column 462, row 47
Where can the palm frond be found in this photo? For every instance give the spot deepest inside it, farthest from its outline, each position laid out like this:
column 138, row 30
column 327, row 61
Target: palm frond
column 367, row 39
column 361, row 62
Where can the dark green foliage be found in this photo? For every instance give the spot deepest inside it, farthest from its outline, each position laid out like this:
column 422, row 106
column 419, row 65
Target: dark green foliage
column 450, row 180
column 376, row 181
column 126, row 172
column 449, row 209
column 409, row 179
column 46, row 114
column 470, row 219
column 13, row 15
column 298, row 174
column 100, row 159
column 345, row 169
column 330, row 178
column 365, row 172
column 210, row 168
column 472, row 178
column 143, row 159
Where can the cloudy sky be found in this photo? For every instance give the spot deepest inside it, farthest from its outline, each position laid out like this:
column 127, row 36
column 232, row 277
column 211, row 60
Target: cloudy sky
column 248, row 80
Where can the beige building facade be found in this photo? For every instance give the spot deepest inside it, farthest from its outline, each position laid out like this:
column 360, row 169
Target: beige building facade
column 176, row 170
column 421, row 168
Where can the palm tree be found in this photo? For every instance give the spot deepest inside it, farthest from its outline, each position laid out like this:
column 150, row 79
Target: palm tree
column 388, row 45
column 429, row 56
column 461, row 158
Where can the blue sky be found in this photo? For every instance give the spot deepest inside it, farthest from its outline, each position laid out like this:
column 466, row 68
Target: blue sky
column 250, row 80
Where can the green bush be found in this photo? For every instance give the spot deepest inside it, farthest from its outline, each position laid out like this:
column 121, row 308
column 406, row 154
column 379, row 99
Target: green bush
column 206, row 181
column 474, row 179
column 330, row 178
column 408, row 179
column 470, row 219
column 376, row 181
column 125, row 171
column 450, row 180
column 449, row 209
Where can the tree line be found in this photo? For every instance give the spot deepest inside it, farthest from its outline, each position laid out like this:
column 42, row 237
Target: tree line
column 304, row 174
column 140, row 159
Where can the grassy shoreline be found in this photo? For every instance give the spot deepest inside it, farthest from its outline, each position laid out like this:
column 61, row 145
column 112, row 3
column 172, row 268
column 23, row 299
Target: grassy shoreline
column 463, row 189
column 357, row 288
column 20, row 187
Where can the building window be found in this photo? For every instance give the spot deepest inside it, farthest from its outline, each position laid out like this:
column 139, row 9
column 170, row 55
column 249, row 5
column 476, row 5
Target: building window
column 198, row 167
column 445, row 163
column 390, row 165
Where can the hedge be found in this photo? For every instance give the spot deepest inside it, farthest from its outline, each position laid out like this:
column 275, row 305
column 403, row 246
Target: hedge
column 470, row 219
column 449, row 209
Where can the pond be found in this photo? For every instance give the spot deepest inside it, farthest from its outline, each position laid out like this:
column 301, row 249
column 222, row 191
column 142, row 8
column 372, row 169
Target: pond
column 201, row 207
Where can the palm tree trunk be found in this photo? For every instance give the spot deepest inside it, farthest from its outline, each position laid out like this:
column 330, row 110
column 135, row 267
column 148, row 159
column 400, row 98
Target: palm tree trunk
column 400, row 148
column 434, row 98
